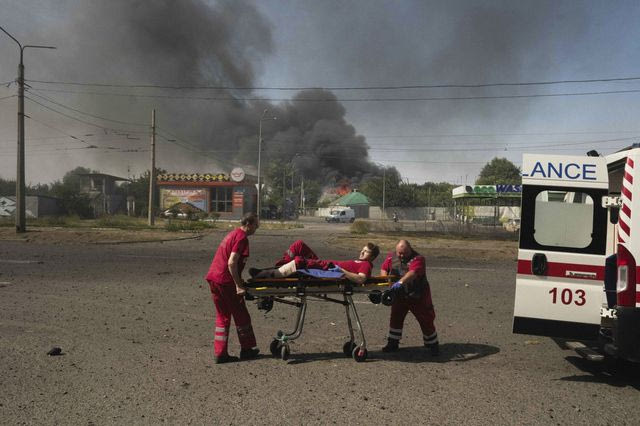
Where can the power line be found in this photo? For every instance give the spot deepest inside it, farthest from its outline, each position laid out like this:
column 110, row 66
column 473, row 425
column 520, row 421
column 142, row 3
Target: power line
column 80, row 120
column 64, row 152
column 414, row 99
column 388, row 87
column 53, row 138
column 457, row 135
column 56, row 129
column 7, row 97
column 86, row 113
column 485, row 146
column 176, row 140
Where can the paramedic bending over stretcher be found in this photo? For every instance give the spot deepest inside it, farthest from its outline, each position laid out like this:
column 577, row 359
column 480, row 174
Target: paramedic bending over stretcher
column 414, row 296
column 300, row 256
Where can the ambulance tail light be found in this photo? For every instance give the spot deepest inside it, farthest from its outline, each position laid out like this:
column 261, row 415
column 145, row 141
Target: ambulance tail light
column 626, row 284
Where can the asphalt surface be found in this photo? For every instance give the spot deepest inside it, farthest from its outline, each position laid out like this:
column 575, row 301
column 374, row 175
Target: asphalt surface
column 135, row 325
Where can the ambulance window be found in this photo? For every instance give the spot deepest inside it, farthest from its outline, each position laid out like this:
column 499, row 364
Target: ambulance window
column 563, row 219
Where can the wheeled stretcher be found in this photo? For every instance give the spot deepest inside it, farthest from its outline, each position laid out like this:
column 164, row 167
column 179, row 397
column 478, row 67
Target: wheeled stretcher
column 303, row 288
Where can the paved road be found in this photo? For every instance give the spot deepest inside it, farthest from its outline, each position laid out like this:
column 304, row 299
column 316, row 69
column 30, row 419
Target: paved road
column 135, row 325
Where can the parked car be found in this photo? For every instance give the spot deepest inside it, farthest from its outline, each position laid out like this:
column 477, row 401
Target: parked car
column 341, row 215
column 512, row 225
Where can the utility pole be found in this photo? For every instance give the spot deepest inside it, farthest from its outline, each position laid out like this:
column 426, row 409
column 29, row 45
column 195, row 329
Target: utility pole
column 21, row 220
column 21, row 223
column 384, row 185
column 284, row 190
column 302, row 192
column 262, row 118
column 152, row 173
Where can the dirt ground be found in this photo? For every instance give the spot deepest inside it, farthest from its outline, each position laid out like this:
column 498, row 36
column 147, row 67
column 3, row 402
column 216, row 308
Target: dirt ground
column 135, row 325
column 70, row 236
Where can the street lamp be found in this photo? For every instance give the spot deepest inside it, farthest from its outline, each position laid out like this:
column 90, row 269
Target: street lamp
column 262, row 118
column 21, row 225
column 384, row 187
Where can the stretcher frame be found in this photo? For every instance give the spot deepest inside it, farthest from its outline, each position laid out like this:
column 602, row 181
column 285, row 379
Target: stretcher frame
column 303, row 289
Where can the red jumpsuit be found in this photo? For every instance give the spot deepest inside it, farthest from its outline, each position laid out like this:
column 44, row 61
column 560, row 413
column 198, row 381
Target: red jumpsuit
column 305, row 257
column 223, row 291
column 418, row 301
column 297, row 251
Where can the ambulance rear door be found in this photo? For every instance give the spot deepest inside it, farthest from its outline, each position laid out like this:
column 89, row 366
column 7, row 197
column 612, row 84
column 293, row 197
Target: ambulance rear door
column 561, row 253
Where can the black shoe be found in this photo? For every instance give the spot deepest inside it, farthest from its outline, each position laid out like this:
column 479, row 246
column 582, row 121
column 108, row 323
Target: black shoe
column 434, row 349
column 249, row 353
column 392, row 346
column 222, row 359
column 254, row 271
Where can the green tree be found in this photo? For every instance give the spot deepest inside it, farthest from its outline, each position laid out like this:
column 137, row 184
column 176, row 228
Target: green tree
column 275, row 175
column 68, row 190
column 7, row 187
column 499, row 170
column 312, row 192
column 138, row 187
column 375, row 186
column 431, row 194
column 278, row 176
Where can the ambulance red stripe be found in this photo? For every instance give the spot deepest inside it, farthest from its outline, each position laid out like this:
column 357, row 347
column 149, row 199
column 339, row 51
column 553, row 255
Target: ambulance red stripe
column 628, row 177
column 559, row 270
column 630, row 161
column 626, row 210
column 624, row 227
column 627, row 193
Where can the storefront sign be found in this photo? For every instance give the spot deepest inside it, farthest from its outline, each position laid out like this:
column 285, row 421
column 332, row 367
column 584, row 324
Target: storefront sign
column 237, row 174
column 195, row 197
column 238, row 199
column 487, row 190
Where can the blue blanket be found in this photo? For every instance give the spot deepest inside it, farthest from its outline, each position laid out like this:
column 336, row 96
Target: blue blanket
column 319, row 273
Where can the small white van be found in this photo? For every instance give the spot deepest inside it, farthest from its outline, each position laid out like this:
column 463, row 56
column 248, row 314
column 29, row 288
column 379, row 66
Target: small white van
column 341, row 215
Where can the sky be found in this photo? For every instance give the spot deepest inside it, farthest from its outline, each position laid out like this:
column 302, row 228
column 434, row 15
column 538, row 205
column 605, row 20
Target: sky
column 360, row 56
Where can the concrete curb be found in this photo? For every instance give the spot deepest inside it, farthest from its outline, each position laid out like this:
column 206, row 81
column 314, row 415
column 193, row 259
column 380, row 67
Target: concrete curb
column 196, row 237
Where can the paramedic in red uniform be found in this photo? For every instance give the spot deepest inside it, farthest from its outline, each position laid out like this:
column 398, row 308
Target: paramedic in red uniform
column 227, row 290
column 413, row 295
column 300, row 255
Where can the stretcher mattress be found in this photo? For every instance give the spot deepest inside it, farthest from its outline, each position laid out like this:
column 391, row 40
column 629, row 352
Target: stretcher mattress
column 311, row 285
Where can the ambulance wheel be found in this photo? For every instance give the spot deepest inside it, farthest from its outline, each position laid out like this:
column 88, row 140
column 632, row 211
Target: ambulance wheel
column 352, row 220
column 359, row 354
column 284, row 352
column 274, row 347
column 348, row 347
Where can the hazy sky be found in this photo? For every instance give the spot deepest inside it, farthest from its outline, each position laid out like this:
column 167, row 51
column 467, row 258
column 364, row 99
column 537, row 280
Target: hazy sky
column 326, row 44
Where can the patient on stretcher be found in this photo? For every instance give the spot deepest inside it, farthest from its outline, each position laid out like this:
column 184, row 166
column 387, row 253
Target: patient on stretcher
column 300, row 256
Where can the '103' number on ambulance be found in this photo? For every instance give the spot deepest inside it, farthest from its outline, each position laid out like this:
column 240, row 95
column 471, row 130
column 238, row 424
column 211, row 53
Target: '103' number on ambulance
column 567, row 296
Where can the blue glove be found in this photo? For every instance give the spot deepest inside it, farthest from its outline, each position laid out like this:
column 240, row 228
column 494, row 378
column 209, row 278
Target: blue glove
column 397, row 285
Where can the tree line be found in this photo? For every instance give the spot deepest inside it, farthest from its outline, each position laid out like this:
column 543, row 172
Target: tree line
column 283, row 182
column 74, row 202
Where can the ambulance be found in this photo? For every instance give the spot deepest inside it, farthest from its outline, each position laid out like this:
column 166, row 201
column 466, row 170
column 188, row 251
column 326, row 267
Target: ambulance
column 578, row 250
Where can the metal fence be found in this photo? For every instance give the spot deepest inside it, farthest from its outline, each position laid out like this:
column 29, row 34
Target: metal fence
column 441, row 227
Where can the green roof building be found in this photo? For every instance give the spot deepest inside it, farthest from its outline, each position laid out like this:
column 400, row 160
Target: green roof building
column 355, row 200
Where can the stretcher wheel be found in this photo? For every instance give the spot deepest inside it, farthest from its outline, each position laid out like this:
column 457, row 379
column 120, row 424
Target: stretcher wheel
column 284, row 352
column 359, row 354
column 274, row 347
column 348, row 347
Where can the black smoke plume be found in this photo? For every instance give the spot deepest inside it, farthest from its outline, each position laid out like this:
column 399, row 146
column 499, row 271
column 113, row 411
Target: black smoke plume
column 190, row 43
